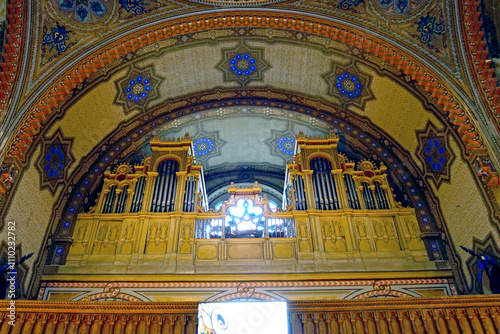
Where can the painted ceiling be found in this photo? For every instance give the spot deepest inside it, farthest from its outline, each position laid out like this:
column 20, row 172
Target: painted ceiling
column 407, row 83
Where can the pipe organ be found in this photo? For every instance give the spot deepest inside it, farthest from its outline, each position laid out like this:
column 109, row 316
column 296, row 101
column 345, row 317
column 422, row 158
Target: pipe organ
column 124, row 191
column 165, row 186
column 337, row 216
column 332, row 182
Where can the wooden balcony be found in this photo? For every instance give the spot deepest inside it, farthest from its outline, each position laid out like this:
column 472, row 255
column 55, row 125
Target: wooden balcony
column 464, row 314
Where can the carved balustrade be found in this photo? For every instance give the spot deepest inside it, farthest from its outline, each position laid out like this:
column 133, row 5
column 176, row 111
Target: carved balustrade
column 469, row 314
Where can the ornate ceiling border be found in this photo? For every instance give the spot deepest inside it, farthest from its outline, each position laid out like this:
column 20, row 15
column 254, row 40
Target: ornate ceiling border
column 13, row 46
column 484, row 75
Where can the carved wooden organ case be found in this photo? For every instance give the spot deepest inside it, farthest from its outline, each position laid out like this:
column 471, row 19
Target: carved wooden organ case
column 336, row 216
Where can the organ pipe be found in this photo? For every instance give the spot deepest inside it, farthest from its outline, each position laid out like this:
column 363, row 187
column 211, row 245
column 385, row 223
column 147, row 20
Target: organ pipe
column 296, row 193
column 328, row 166
column 172, row 187
column 189, row 195
column 157, row 186
column 303, row 193
column 165, row 198
column 382, row 204
column 153, row 202
column 164, row 190
column 324, row 177
column 138, row 195
column 352, row 194
column 334, row 191
column 110, row 200
column 187, row 200
column 298, row 205
column 330, row 184
column 160, row 202
column 300, row 199
column 324, row 186
column 193, row 193
column 122, row 200
column 368, row 196
column 316, row 193
column 316, row 186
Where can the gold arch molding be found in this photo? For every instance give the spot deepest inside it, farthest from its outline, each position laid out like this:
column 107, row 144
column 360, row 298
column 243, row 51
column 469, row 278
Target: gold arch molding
column 377, row 51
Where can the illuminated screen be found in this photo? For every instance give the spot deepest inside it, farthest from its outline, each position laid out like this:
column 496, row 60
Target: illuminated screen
column 242, row 318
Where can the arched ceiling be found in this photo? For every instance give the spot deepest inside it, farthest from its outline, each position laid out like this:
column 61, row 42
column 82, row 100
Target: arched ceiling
column 393, row 35
column 99, row 88
column 239, row 146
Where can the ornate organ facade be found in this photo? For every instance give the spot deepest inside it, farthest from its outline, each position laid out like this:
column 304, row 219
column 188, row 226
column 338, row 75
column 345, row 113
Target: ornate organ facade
column 339, row 220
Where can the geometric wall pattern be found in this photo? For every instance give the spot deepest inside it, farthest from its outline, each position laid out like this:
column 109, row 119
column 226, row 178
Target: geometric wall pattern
column 434, row 152
column 83, row 11
column 207, row 145
column 282, row 143
column 54, row 160
column 242, row 64
column 348, row 84
column 137, row 89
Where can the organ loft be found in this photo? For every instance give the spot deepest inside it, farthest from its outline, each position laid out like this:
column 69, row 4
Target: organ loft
column 337, row 216
column 339, row 234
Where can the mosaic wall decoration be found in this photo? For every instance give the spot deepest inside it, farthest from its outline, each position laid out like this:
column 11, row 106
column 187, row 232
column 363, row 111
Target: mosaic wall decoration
column 54, row 160
column 137, row 89
column 207, row 145
column 430, row 30
column 282, row 143
column 135, row 6
column 349, row 4
column 232, row 3
column 477, row 267
column 434, row 152
column 83, row 12
column 243, row 64
column 350, row 85
column 55, row 39
column 399, row 8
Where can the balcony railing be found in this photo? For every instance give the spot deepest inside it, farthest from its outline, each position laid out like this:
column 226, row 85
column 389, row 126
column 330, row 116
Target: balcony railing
column 465, row 314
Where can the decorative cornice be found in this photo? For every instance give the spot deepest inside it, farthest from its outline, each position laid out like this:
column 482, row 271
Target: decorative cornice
column 293, row 306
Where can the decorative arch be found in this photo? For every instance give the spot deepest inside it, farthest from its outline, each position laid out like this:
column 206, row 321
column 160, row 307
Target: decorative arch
column 164, row 158
column 320, row 155
column 400, row 165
